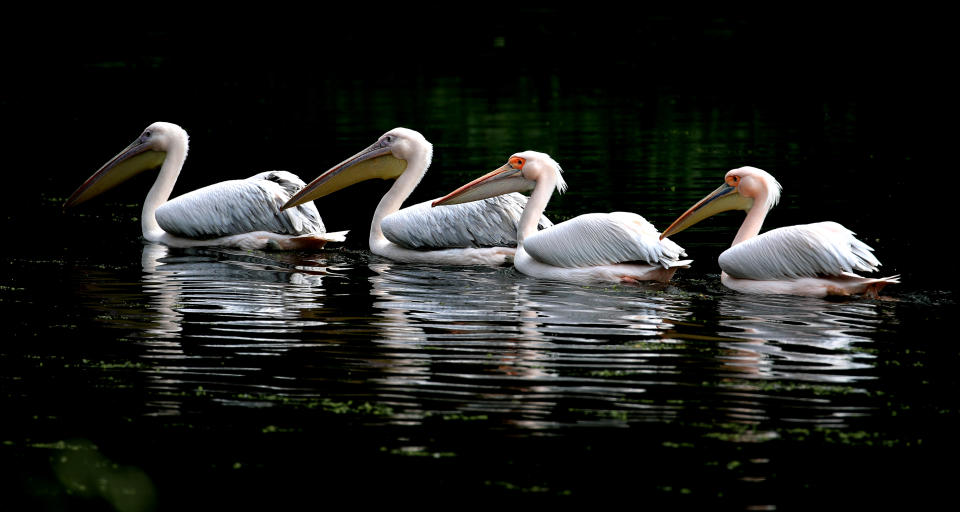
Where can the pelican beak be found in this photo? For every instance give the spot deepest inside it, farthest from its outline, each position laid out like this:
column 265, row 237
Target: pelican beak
column 725, row 198
column 504, row 180
column 136, row 158
column 377, row 161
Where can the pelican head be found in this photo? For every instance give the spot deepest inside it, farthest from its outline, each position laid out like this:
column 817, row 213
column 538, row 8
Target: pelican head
column 148, row 151
column 741, row 189
column 385, row 159
column 521, row 173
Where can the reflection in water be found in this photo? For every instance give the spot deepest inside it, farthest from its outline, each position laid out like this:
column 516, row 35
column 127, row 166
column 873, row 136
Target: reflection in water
column 794, row 360
column 482, row 340
column 254, row 292
column 280, row 342
column 166, row 293
column 796, row 338
column 218, row 314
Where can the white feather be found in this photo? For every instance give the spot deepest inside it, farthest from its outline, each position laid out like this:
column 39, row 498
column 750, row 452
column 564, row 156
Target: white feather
column 808, row 250
column 240, row 206
column 487, row 223
column 595, row 239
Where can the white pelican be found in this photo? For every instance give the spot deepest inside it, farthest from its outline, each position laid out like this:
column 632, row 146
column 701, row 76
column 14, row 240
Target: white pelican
column 619, row 247
column 484, row 233
column 815, row 260
column 238, row 213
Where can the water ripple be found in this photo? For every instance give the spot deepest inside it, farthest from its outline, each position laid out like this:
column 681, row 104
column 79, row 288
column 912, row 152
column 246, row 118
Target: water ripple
column 426, row 341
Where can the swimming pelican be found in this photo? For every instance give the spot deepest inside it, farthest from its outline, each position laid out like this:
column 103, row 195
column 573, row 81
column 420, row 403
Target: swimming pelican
column 811, row 259
column 484, row 233
column 619, row 247
column 238, row 213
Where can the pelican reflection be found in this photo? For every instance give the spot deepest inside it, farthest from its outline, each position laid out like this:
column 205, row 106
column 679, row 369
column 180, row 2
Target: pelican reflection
column 244, row 288
column 515, row 344
column 797, row 338
column 219, row 317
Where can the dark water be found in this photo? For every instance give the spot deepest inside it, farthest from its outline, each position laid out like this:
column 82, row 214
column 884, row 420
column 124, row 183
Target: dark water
column 137, row 377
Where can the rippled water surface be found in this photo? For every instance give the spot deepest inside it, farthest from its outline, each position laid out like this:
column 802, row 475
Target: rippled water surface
column 137, row 377
column 174, row 374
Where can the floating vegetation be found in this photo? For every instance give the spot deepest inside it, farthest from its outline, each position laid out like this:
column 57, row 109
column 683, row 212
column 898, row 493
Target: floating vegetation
column 325, row 404
column 739, row 432
column 781, row 386
column 602, row 413
column 417, row 451
column 850, row 437
column 532, row 489
column 273, row 429
column 464, row 417
column 58, row 361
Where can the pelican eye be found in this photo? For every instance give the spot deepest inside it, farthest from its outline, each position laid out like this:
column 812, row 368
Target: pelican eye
column 733, row 181
column 146, row 134
column 517, row 163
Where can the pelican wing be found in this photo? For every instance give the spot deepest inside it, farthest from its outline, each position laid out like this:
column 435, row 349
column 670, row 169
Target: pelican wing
column 603, row 239
column 808, row 250
column 488, row 223
column 241, row 206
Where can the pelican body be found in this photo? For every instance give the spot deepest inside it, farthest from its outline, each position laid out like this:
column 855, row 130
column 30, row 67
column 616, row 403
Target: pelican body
column 483, row 233
column 243, row 214
column 813, row 260
column 618, row 247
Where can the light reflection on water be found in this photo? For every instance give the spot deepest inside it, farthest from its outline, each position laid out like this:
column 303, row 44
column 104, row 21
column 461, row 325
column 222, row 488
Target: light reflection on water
column 798, row 339
column 417, row 359
column 427, row 340
column 494, row 341
column 252, row 293
column 216, row 315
